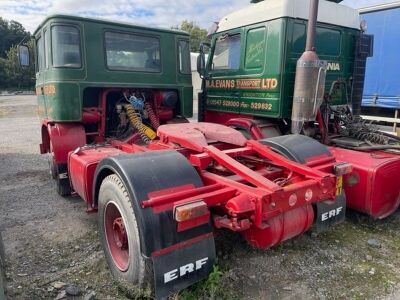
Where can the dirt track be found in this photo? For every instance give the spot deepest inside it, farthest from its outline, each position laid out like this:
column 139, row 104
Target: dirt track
column 48, row 239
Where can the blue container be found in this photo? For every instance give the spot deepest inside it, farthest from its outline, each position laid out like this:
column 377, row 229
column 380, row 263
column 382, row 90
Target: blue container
column 382, row 79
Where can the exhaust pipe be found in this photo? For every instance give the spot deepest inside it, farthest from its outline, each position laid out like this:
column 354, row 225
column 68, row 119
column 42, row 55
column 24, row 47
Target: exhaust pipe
column 310, row 78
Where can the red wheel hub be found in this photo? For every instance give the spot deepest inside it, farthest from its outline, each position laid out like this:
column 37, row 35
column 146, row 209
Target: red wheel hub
column 117, row 238
column 121, row 239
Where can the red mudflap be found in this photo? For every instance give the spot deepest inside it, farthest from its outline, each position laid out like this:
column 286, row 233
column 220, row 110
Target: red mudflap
column 373, row 186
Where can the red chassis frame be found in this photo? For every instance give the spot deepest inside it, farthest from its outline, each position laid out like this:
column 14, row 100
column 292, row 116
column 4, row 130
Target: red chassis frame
column 248, row 186
column 370, row 188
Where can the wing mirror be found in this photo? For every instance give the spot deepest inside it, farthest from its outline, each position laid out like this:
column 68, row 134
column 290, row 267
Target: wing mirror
column 23, row 56
column 201, row 59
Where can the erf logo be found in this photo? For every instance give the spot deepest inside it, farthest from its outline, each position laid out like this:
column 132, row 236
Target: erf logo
column 330, row 214
column 189, row 268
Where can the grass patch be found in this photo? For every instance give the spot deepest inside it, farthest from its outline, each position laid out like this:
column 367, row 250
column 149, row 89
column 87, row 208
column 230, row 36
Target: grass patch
column 210, row 288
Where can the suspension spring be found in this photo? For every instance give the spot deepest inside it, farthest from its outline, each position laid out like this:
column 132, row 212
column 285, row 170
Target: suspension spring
column 146, row 133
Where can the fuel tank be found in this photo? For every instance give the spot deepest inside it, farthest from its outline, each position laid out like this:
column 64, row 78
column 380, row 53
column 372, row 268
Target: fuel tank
column 373, row 187
column 82, row 165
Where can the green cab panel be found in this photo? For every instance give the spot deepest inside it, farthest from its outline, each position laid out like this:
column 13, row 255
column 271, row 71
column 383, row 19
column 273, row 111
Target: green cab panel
column 78, row 57
column 251, row 69
column 62, row 99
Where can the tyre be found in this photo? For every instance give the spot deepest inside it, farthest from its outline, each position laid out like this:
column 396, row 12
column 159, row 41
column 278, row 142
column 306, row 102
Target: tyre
column 62, row 180
column 119, row 234
column 52, row 163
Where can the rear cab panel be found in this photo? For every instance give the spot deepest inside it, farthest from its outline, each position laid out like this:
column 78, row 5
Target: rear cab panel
column 64, row 74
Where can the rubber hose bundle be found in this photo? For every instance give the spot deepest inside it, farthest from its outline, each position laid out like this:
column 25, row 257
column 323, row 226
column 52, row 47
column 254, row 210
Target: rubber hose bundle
column 145, row 132
column 155, row 123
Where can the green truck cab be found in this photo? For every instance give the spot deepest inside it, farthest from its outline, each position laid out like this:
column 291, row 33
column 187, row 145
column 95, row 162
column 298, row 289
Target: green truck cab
column 79, row 57
column 86, row 72
column 251, row 68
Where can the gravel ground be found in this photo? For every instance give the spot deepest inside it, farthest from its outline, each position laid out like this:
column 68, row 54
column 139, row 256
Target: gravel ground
column 51, row 244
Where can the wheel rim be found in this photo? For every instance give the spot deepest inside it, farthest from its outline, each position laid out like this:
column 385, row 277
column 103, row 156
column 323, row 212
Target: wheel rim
column 117, row 238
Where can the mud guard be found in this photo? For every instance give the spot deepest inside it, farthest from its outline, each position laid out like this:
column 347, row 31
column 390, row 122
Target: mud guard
column 179, row 258
column 303, row 149
column 64, row 137
column 298, row 148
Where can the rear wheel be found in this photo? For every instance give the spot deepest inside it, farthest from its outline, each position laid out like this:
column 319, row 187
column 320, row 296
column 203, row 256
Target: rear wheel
column 62, row 180
column 119, row 234
column 59, row 173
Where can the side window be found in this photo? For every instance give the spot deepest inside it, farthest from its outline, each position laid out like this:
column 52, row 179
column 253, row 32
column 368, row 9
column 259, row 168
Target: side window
column 255, row 48
column 40, row 54
column 45, row 48
column 227, row 52
column 299, row 37
column 328, row 41
column 132, row 52
column 184, row 57
column 66, row 47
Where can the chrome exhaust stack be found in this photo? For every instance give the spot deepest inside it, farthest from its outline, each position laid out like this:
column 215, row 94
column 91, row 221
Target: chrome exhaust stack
column 310, row 78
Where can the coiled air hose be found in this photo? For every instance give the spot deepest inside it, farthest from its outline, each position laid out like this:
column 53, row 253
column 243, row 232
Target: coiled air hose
column 155, row 123
column 146, row 133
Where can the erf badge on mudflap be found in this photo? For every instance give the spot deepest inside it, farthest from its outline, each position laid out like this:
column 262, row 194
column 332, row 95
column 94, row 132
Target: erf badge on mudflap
column 177, row 269
column 330, row 213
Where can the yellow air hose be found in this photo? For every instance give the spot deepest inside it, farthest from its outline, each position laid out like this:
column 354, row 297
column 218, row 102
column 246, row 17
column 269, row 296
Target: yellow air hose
column 146, row 133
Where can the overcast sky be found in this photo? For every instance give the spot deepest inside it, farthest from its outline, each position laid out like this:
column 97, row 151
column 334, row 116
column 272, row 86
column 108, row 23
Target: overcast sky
column 158, row 13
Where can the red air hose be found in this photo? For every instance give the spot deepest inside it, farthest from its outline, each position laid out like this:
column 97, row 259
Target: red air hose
column 155, row 123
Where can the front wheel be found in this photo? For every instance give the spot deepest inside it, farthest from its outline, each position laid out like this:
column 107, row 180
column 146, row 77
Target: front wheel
column 119, row 234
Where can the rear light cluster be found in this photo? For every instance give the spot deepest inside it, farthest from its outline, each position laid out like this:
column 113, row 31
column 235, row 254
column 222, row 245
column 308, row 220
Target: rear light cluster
column 190, row 211
column 342, row 169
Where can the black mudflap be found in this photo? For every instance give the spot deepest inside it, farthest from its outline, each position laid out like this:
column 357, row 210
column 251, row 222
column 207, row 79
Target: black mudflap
column 329, row 213
column 180, row 268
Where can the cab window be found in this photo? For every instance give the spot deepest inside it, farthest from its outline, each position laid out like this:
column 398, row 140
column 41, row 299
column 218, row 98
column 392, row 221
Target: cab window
column 184, row 57
column 328, row 41
column 46, row 42
column 40, row 54
column 132, row 52
column 255, row 48
column 66, row 46
column 227, row 52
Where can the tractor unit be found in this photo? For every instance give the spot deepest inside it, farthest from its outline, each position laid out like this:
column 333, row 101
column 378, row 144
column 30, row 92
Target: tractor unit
column 259, row 80
column 113, row 101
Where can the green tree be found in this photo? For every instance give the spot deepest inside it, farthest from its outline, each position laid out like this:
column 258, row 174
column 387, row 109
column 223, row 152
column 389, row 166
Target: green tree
column 14, row 75
column 11, row 33
column 11, row 74
column 197, row 34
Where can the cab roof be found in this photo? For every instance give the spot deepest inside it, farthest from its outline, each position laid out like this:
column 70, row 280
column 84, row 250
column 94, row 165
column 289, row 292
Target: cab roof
column 328, row 12
column 107, row 22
